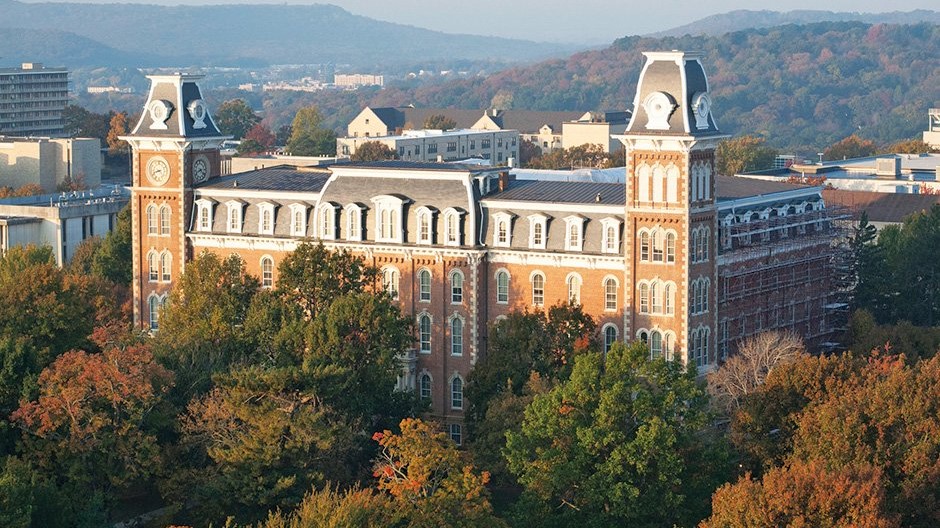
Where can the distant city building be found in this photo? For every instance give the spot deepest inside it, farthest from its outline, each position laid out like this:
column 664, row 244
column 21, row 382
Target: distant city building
column 355, row 80
column 498, row 146
column 247, row 87
column 932, row 135
column 887, row 173
column 61, row 221
column 109, row 89
column 49, row 162
column 595, row 128
column 307, row 84
column 32, row 100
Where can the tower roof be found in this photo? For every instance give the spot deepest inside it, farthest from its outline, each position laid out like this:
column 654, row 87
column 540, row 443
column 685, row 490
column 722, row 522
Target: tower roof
column 175, row 109
column 672, row 97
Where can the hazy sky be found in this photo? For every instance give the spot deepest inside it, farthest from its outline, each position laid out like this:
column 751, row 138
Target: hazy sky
column 579, row 21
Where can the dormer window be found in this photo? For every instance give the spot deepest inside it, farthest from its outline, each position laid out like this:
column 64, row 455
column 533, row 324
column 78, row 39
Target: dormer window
column 453, row 234
column 537, row 231
column 610, row 231
column 502, row 229
column 353, row 214
column 425, row 224
column 298, row 220
column 204, row 214
column 574, row 233
column 388, row 214
column 327, row 221
column 265, row 218
column 234, row 222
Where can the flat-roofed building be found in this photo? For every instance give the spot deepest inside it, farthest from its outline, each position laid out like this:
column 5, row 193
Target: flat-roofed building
column 32, row 100
column 498, row 146
column 50, row 163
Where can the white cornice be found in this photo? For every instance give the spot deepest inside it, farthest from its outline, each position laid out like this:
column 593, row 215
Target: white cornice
column 544, row 207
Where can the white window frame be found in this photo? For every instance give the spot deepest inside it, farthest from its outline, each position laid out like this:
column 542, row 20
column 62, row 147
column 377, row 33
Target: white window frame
column 456, row 292
column 537, row 300
column 298, row 229
column 424, row 344
column 542, row 221
column 605, row 284
column 456, row 339
column 166, row 215
column 425, row 395
column 574, row 282
column 607, row 245
column 166, row 266
column 153, row 266
column 422, row 214
column 605, row 335
column 394, row 206
column 456, row 433
column 574, row 228
column 502, row 297
column 502, row 221
column 424, row 294
column 453, row 223
column 265, row 207
column 326, row 221
column 153, row 219
column 456, row 396
column 267, row 277
column 234, row 217
column 204, row 214
column 391, row 282
column 353, row 219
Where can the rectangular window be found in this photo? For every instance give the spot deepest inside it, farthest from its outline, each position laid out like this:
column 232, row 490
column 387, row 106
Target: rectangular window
column 432, row 148
column 451, row 146
column 456, row 434
column 485, row 143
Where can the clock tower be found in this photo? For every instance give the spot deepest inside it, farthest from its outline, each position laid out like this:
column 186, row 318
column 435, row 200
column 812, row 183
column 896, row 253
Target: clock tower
column 671, row 218
column 175, row 146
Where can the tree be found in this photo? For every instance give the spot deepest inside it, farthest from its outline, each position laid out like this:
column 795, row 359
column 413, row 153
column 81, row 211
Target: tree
column 312, row 276
column 89, row 424
column 590, row 155
column 528, row 152
column 865, row 334
column 79, row 122
column 235, row 118
column 612, row 445
column 909, row 146
column 117, row 128
column 804, row 494
column 258, row 139
column 850, row 147
column 439, row 122
column 757, row 356
column 113, row 259
column 743, row 154
column 330, row 508
column 308, row 136
column 201, row 326
column 373, row 151
column 432, row 482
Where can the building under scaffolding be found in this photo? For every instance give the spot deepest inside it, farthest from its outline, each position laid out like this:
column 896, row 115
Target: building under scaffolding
column 783, row 264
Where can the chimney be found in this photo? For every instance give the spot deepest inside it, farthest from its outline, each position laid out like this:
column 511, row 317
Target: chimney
column 504, row 180
column 511, row 161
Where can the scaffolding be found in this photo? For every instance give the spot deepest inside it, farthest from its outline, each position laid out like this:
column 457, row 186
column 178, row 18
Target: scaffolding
column 787, row 272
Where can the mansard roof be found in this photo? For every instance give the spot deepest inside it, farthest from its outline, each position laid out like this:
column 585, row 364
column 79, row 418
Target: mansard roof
column 279, row 178
column 562, row 192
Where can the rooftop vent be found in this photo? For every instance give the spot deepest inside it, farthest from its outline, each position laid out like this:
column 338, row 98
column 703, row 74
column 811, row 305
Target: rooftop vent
column 888, row 167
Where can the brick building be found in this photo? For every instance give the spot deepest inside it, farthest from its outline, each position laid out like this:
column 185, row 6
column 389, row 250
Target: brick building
column 687, row 261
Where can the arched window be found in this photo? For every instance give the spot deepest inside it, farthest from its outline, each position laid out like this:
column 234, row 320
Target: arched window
column 610, row 337
column 610, row 293
column 165, row 220
column 574, row 288
column 574, row 236
column 656, row 344
column 643, row 183
column 456, row 336
column 669, row 298
column 694, row 194
column 424, row 226
column 424, row 333
column 390, row 280
column 644, row 246
column 425, row 387
column 610, row 239
column 327, row 222
column 154, row 305
column 538, row 234
column 644, row 298
column 153, row 222
column 424, row 285
column 658, row 180
column 704, row 244
column 234, row 217
column 456, row 431
column 656, row 240
column 353, row 222
column 267, row 226
column 456, row 393
column 643, row 336
column 267, row 272
column 669, row 345
column 502, row 232
column 502, row 286
column 456, row 287
column 656, row 297
column 670, row 247
column 538, row 289
column 165, row 260
column 153, row 264
column 298, row 227
column 672, row 184
column 452, row 228
column 205, row 217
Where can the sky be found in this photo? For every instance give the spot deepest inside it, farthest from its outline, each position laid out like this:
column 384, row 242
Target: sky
column 568, row 21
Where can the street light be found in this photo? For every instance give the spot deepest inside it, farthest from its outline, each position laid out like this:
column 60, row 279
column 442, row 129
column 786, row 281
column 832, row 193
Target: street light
column 820, row 154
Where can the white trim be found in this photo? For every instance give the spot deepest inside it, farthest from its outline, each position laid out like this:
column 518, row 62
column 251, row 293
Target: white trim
column 295, row 209
column 574, row 221
column 502, row 218
column 261, row 267
column 548, row 207
column 607, row 223
column 269, row 208
column 353, row 210
column 234, row 213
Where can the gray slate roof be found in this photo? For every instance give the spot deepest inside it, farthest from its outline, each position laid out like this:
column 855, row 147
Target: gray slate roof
column 563, row 192
column 733, row 187
column 525, row 121
column 421, row 165
column 280, row 178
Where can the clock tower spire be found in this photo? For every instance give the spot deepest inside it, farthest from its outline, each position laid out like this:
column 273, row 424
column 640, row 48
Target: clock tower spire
column 175, row 146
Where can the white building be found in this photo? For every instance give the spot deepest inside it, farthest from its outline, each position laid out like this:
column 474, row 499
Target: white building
column 49, row 162
column 498, row 146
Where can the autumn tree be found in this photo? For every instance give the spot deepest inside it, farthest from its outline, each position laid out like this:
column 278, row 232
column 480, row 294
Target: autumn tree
column 373, row 151
column 743, row 154
column 439, row 122
column 332, row 508
column 116, row 129
column 258, row 139
column 908, row 146
column 235, row 118
column 612, row 445
column 528, row 152
column 308, row 135
column 89, row 425
column 430, row 481
column 805, row 494
column 850, row 147
column 757, row 356
column 864, row 334
column 591, row 155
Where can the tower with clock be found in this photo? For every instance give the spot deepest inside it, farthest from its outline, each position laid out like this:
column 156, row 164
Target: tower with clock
column 671, row 216
column 175, row 146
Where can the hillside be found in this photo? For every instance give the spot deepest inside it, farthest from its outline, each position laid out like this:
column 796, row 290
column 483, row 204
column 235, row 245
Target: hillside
column 273, row 34
column 64, row 48
column 802, row 87
column 742, row 19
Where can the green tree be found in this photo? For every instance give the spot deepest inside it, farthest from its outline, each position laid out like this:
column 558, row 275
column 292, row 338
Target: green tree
column 850, row 147
column 612, row 444
column 743, row 154
column 330, row 508
column 312, row 276
column 80, row 122
column 439, row 122
column 235, row 118
column 528, row 152
column 908, row 146
column 308, row 136
column 112, row 260
column 373, row 151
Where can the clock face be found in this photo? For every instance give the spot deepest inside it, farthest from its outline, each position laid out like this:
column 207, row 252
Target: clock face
column 200, row 170
column 158, row 170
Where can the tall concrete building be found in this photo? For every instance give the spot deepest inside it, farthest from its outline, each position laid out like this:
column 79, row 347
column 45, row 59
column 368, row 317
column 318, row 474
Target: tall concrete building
column 32, row 100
